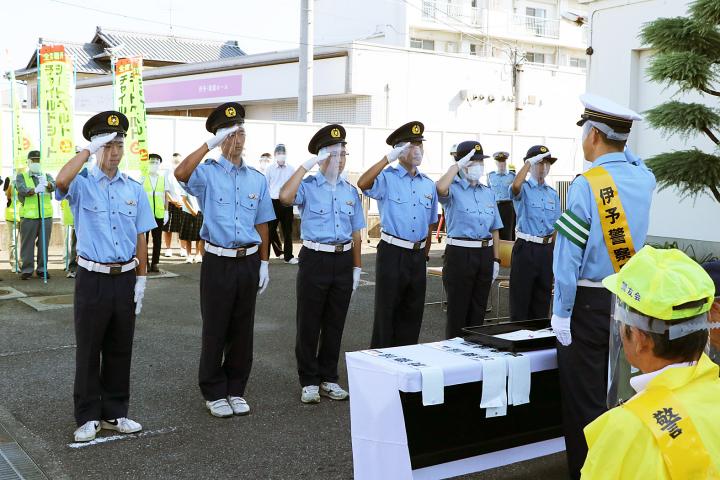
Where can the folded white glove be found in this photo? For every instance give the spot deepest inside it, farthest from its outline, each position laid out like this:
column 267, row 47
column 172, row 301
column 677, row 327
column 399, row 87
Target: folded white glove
column 41, row 186
column 356, row 277
column 220, row 135
column 139, row 293
column 538, row 158
column 99, row 141
column 311, row 162
column 496, row 270
column 561, row 327
column 465, row 160
column 264, row 276
column 397, row 151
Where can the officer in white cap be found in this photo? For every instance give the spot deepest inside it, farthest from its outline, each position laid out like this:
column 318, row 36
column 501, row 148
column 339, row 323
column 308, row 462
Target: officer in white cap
column 605, row 223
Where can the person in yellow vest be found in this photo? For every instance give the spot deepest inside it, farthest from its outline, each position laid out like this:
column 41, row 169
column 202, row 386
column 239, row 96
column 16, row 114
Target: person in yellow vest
column 12, row 220
column 156, row 189
column 670, row 429
column 34, row 192
column 70, row 238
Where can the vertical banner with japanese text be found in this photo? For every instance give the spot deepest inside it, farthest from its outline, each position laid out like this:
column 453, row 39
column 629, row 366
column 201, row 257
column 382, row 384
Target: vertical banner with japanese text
column 130, row 100
column 21, row 142
column 55, row 102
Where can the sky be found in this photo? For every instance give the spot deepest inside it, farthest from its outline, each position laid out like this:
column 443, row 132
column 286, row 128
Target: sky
column 257, row 25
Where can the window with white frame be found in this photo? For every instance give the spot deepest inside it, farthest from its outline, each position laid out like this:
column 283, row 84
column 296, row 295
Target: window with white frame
column 422, row 43
column 578, row 62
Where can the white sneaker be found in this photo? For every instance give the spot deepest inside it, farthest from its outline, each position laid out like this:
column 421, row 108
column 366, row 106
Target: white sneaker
column 87, row 431
column 239, row 405
column 333, row 391
column 219, row 408
column 292, row 261
column 189, row 258
column 168, row 253
column 183, row 253
column 122, row 425
column 310, row 394
column 198, row 258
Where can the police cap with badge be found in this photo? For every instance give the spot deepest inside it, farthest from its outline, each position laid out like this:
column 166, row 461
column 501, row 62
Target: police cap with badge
column 33, row 155
column 110, row 121
column 326, row 136
column 465, row 148
column 501, row 156
column 536, row 150
column 226, row 115
column 410, row 132
column 612, row 119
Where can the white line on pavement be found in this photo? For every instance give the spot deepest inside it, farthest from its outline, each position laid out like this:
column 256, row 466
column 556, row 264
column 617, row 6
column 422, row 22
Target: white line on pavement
column 113, row 438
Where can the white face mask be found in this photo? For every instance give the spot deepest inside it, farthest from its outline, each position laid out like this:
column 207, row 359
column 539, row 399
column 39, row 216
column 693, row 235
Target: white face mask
column 280, row 158
column 35, row 167
column 474, row 172
column 153, row 168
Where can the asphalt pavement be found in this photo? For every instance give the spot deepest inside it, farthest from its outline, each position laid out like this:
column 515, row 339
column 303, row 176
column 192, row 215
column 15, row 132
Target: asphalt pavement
column 280, row 439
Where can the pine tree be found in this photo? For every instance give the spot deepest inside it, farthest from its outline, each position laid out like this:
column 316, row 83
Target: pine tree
column 688, row 58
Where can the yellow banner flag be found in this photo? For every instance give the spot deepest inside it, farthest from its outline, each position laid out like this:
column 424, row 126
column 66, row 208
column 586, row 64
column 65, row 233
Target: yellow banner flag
column 130, row 100
column 55, row 101
column 21, row 141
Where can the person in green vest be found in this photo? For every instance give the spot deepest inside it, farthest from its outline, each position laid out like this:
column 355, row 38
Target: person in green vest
column 70, row 238
column 34, row 192
column 12, row 220
column 156, row 188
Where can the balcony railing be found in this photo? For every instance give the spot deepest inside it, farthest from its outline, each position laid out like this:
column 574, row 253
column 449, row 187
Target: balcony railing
column 536, row 26
column 445, row 11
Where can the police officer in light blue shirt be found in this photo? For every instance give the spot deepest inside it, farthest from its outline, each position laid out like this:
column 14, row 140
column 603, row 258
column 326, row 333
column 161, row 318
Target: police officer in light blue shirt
column 112, row 214
column 581, row 307
column 537, row 205
column 500, row 181
column 407, row 201
column 236, row 205
column 471, row 261
column 329, row 270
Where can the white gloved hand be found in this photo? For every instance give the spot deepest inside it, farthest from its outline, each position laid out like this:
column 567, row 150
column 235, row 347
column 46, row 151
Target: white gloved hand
column 496, row 270
column 561, row 327
column 311, row 162
column 465, row 160
column 537, row 158
column 264, row 276
column 220, row 135
column 356, row 277
column 397, row 151
column 99, row 141
column 139, row 293
column 41, row 186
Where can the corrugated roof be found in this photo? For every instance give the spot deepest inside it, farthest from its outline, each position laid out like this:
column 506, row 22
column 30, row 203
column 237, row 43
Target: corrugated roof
column 166, row 48
column 82, row 54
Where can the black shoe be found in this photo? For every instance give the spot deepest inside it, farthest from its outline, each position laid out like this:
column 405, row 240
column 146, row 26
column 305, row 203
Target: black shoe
column 154, row 268
column 41, row 275
column 25, row 276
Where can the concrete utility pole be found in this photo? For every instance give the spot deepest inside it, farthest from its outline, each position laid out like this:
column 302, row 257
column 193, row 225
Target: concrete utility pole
column 516, row 58
column 305, row 91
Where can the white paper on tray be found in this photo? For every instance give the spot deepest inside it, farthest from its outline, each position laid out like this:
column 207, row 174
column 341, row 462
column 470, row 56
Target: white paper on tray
column 525, row 334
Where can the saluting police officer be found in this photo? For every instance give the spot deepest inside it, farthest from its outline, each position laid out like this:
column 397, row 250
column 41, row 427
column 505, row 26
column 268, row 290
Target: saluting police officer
column 605, row 223
column 112, row 214
column 538, row 207
column 500, row 181
column 330, row 265
column 471, row 261
column 236, row 205
column 407, row 201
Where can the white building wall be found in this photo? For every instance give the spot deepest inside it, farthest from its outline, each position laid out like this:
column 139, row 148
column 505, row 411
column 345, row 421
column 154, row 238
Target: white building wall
column 339, row 22
column 617, row 71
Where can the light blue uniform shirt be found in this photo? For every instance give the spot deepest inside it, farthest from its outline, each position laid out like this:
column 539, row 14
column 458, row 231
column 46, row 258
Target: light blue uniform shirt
column 537, row 208
column 109, row 215
column 470, row 212
column 407, row 204
column 500, row 184
column 327, row 215
column 233, row 200
column 635, row 183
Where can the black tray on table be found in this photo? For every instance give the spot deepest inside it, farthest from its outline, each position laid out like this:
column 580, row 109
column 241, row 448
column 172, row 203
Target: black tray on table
column 484, row 335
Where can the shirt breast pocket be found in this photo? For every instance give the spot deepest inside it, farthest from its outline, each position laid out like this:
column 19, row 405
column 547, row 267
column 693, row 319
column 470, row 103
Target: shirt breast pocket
column 250, row 202
column 535, row 204
column 397, row 198
column 320, row 208
column 96, row 215
column 551, row 206
column 128, row 210
column 426, row 202
column 347, row 209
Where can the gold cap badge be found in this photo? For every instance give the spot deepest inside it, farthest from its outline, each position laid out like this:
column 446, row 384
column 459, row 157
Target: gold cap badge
column 416, row 129
column 478, row 148
column 335, row 133
column 543, row 149
column 230, row 112
column 113, row 120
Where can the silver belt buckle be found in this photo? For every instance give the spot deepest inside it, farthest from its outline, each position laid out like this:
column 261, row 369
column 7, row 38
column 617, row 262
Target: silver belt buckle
column 339, row 248
column 240, row 252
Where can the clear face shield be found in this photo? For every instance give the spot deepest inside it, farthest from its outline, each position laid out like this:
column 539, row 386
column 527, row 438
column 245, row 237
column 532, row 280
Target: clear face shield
column 413, row 155
column 110, row 154
column 232, row 147
column 620, row 369
column 333, row 166
column 540, row 171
